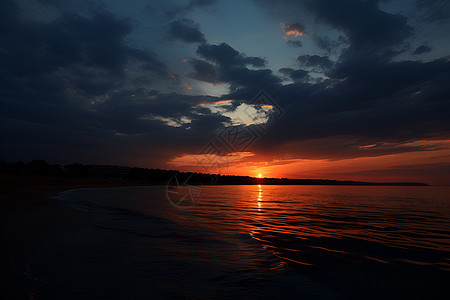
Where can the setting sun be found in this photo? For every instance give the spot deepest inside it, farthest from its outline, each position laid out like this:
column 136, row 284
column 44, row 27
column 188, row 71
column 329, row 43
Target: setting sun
column 260, row 175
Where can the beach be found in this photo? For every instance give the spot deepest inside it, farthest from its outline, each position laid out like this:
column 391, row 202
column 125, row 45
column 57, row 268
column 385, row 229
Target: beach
column 27, row 213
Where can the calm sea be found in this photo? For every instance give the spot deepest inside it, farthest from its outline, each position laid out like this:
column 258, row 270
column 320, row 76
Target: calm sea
column 251, row 242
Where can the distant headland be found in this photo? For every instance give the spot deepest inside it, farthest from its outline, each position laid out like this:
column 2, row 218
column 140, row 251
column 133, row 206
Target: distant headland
column 163, row 177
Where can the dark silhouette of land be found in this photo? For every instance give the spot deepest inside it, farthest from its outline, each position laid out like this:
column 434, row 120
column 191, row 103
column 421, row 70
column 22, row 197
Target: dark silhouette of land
column 162, row 177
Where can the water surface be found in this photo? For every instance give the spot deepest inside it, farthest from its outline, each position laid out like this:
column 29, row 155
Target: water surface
column 311, row 242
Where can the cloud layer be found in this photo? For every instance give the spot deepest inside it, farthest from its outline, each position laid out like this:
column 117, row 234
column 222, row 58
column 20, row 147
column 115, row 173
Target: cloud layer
column 75, row 85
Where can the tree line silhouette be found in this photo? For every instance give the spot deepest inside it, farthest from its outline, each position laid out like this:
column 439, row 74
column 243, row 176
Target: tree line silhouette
column 172, row 177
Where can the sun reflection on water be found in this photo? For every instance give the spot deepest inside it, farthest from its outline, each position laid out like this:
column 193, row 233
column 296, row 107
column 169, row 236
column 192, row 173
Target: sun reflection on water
column 259, row 197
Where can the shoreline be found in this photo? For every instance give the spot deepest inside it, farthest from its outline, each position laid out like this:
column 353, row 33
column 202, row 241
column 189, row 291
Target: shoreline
column 28, row 211
column 36, row 226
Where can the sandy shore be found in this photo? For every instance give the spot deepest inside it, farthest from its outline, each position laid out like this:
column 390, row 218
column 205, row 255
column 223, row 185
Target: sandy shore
column 27, row 213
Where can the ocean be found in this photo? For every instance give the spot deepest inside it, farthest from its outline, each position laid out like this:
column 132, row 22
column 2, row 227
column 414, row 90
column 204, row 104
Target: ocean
column 249, row 242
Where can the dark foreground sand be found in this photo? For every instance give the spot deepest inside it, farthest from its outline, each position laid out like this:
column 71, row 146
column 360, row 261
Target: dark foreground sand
column 27, row 212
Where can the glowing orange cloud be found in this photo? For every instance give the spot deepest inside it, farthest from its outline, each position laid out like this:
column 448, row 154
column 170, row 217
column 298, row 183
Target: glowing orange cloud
column 296, row 29
column 188, row 85
column 223, row 101
column 174, row 77
column 217, row 102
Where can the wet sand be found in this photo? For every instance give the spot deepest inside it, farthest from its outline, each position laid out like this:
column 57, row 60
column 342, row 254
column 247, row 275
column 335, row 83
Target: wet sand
column 27, row 213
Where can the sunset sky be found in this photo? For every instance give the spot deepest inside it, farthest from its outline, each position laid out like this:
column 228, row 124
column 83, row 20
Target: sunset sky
column 352, row 89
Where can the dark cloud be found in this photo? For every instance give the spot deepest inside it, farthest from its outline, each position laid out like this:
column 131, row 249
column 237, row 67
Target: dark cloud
column 296, row 44
column 236, row 76
column 187, row 31
column 204, row 124
column 255, row 79
column 75, row 82
column 110, row 129
column 368, row 99
column 434, row 10
column 173, row 9
column 371, row 32
column 393, row 104
column 204, row 71
column 72, row 88
column 365, row 24
column 295, row 75
column 72, row 42
column 322, row 62
column 226, row 55
column 227, row 65
column 422, row 49
column 325, row 43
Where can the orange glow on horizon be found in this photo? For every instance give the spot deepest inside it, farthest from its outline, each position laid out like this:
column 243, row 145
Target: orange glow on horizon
column 427, row 166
